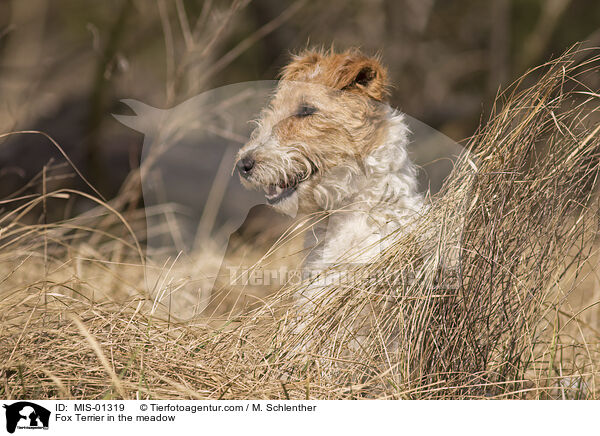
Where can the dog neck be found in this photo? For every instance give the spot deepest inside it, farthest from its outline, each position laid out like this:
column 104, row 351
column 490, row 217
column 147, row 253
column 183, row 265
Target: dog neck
column 380, row 198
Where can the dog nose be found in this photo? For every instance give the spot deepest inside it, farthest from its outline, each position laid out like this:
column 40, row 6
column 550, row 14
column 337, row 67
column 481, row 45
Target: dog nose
column 245, row 166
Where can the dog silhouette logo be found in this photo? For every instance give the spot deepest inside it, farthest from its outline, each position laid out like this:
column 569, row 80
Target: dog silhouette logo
column 26, row 415
column 194, row 197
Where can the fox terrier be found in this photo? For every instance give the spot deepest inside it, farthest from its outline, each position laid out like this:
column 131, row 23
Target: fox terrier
column 328, row 142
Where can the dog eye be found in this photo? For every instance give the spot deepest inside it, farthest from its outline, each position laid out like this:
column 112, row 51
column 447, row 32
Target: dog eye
column 305, row 110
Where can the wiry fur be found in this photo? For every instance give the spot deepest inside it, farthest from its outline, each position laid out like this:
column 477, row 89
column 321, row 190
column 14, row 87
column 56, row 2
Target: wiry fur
column 348, row 157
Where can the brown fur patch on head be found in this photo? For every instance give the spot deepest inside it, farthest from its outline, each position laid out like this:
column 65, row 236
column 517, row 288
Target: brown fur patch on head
column 349, row 71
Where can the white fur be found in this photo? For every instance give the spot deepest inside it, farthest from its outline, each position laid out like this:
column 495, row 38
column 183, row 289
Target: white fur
column 367, row 204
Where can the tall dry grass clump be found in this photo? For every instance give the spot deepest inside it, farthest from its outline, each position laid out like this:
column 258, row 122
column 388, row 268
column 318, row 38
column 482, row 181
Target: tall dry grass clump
column 493, row 295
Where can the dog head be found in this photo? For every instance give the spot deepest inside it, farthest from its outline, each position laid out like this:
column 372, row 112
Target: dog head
column 311, row 140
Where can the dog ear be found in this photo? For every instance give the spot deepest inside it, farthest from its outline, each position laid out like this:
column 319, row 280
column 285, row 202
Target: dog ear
column 358, row 73
column 300, row 65
column 348, row 71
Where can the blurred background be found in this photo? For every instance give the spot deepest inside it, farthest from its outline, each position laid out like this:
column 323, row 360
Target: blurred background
column 65, row 64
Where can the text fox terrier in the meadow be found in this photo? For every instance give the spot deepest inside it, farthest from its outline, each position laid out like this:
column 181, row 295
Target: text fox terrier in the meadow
column 327, row 142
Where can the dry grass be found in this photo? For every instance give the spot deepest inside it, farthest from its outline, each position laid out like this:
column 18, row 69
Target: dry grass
column 514, row 316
